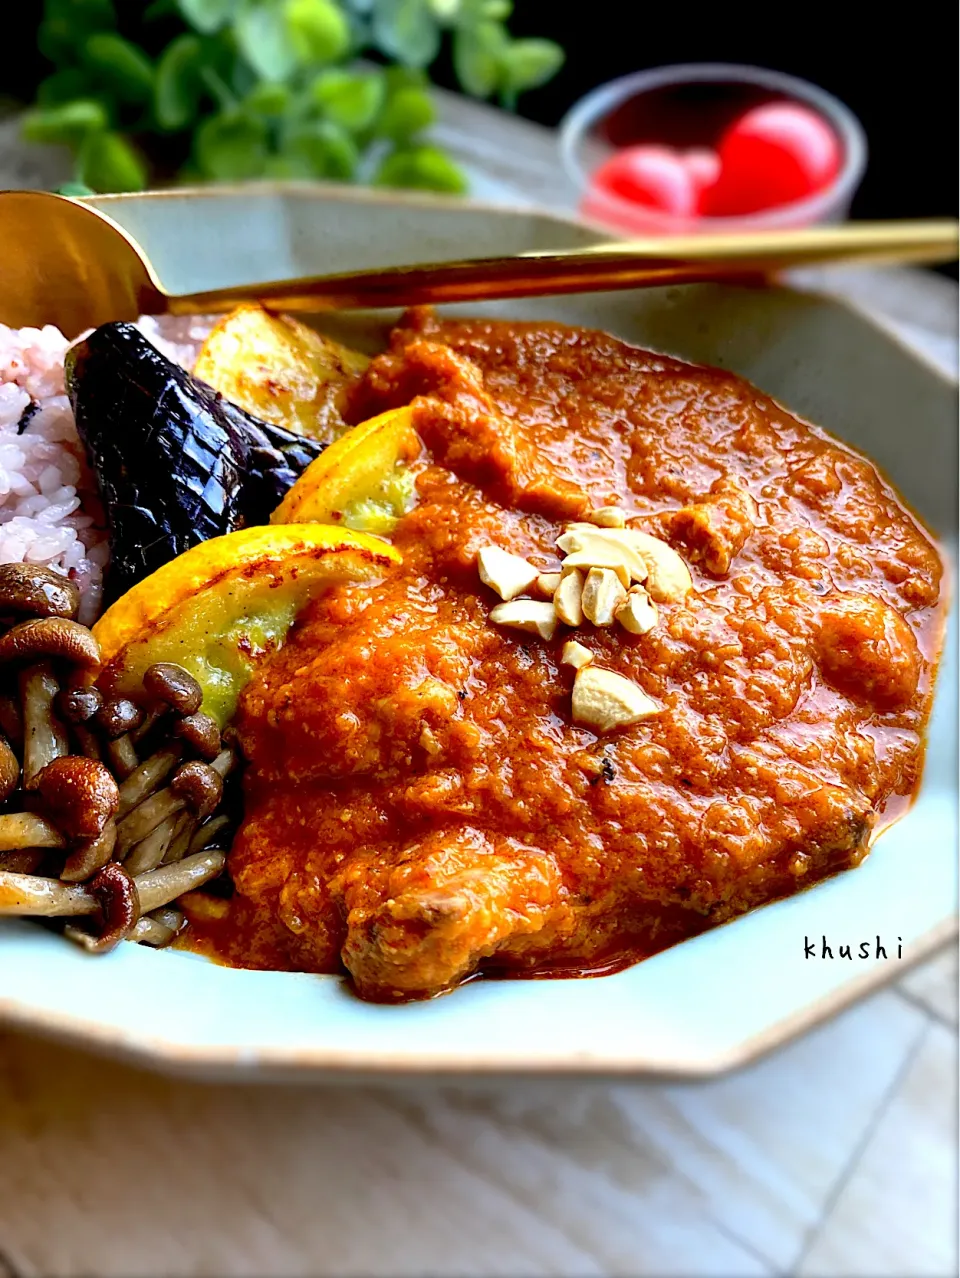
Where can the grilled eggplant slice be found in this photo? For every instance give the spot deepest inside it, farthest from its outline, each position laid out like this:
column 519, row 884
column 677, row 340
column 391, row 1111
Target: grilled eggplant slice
column 176, row 463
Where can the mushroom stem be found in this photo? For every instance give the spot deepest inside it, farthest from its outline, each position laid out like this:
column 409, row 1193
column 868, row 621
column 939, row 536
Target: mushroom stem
column 144, row 819
column 152, row 932
column 44, row 736
column 149, row 722
column 169, row 916
column 24, row 830
column 208, row 832
column 224, row 763
column 88, row 743
column 11, row 720
column 121, row 756
column 9, row 770
column 33, row 894
column 181, row 844
column 162, row 886
column 149, row 852
column 145, row 779
column 22, row 860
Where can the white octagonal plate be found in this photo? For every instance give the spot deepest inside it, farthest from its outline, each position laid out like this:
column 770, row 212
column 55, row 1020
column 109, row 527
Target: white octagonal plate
column 703, row 1006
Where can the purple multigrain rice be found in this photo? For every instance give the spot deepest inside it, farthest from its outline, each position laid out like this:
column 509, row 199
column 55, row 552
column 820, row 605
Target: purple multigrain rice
column 49, row 510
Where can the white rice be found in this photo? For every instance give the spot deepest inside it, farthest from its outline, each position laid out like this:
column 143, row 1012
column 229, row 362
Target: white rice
column 50, row 512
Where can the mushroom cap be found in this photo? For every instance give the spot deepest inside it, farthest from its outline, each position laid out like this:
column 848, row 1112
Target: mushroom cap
column 78, row 705
column 201, row 733
column 173, row 685
column 51, row 637
column 37, row 591
column 199, row 785
column 119, row 902
column 117, row 716
column 79, row 794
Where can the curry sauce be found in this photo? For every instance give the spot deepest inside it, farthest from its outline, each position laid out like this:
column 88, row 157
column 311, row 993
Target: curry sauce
column 419, row 804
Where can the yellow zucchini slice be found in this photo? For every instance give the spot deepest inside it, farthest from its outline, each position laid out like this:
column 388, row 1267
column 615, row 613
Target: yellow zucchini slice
column 222, row 604
column 280, row 371
column 362, row 481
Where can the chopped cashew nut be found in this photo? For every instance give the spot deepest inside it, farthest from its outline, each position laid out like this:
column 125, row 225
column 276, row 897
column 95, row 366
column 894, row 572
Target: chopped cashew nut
column 605, row 700
column 567, row 597
column 603, row 548
column 602, row 596
column 608, row 517
column 527, row 614
column 650, row 559
column 638, row 613
column 575, row 654
column 508, row 574
column 668, row 577
column 548, row 582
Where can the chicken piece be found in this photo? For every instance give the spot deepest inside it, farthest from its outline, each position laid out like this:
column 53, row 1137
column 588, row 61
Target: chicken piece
column 715, row 528
column 451, row 901
column 865, row 647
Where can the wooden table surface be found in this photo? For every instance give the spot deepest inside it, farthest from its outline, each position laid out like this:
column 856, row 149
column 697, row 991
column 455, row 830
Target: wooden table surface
column 837, row 1156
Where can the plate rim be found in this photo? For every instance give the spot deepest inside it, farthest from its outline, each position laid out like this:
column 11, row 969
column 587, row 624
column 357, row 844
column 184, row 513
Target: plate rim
column 287, row 1065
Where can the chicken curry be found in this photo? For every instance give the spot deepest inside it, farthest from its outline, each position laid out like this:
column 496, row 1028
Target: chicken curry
column 423, row 802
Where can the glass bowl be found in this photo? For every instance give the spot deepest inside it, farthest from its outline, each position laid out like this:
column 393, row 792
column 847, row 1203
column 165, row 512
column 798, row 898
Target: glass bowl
column 690, row 106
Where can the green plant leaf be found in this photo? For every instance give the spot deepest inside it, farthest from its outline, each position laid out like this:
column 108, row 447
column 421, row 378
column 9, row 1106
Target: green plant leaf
column 406, row 30
column 327, row 150
column 231, row 146
column 526, row 64
column 264, row 40
column 75, row 189
column 396, row 78
column 422, row 168
column 63, row 86
column 87, row 15
column 207, row 16
column 119, row 66
column 408, row 111
column 107, row 162
column 282, row 168
column 66, row 23
column 445, row 11
column 317, row 30
column 178, row 86
column 477, row 55
column 65, row 124
column 158, row 9
column 348, row 98
column 268, row 99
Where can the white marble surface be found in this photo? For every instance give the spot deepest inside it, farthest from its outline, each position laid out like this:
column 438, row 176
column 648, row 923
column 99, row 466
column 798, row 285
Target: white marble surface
column 836, row 1156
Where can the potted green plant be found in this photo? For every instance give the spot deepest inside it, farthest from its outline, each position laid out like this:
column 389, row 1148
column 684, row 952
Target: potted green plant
column 227, row 90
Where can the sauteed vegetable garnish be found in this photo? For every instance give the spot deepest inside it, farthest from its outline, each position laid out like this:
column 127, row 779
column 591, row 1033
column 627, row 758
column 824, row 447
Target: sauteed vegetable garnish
column 176, row 463
column 112, row 807
column 633, row 651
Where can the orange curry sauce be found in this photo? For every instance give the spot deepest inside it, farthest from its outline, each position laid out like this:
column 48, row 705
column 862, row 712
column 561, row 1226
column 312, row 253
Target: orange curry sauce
column 420, row 806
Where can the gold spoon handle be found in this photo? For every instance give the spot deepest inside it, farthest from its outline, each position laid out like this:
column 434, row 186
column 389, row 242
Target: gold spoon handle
column 600, row 267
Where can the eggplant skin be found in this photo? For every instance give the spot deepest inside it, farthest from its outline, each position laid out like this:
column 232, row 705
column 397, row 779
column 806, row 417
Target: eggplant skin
column 175, row 462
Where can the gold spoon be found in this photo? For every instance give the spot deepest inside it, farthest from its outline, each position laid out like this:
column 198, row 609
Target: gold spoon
column 64, row 263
